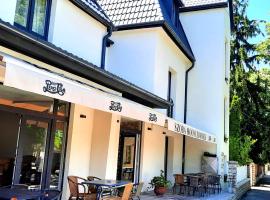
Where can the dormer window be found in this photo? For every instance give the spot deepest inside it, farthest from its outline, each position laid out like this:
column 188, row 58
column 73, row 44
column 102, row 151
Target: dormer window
column 33, row 16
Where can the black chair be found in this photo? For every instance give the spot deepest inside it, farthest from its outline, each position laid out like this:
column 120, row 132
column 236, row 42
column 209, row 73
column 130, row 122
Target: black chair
column 195, row 185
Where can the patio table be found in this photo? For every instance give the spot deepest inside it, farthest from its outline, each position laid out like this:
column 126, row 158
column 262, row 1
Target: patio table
column 100, row 184
column 20, row 194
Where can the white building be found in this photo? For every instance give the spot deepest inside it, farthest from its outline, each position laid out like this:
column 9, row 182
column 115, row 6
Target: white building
column 115, row 89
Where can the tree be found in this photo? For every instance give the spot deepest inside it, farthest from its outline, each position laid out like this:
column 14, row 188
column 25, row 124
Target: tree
column 264, row 46
column 249, row 98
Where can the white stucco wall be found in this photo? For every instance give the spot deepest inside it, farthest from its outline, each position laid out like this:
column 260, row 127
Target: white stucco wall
column 92, row 147
column 144, row 57
column 79, row 145
column 207, row 32
column 133, row 56
column 75, row 31
column 70, row 28
column 104, row 150
column 194, row 152
column 170, row 58
column 241, row 173
column 7, row 10
column 153, row 153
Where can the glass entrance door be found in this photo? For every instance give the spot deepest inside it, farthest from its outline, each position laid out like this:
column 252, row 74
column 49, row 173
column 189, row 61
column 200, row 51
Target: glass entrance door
column 128, row 157
column 31, row 152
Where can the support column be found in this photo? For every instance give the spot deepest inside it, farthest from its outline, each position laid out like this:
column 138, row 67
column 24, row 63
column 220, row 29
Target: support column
column 104, row 151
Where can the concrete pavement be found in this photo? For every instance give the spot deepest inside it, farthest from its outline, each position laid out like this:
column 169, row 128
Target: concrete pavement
column 259, row 192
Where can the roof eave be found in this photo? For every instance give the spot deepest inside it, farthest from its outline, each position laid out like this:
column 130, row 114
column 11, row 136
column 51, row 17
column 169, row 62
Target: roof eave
column 20, row 42
column 139, row 25
column 92, row 13
column 204, row 7
column 167, row 27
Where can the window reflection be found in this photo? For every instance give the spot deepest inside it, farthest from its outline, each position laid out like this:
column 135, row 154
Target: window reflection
column 21, row 15
column 57, row 152
column 39, row 17
column 32, row 151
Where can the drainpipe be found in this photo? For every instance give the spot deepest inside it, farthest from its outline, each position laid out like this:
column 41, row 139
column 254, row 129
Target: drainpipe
column 106, row 42
column 185, row 118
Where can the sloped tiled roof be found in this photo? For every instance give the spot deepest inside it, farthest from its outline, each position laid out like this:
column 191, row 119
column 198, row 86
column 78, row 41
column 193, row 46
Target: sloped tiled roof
column 93, row 8
column 189, row 3
column 124, row 12
column 132, row 13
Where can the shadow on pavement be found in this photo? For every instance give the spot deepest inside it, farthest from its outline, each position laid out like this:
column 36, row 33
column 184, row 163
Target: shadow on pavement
column 261, row 191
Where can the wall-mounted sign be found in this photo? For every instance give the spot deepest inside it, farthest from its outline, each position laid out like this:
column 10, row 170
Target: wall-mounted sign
column 54, row 88
column 115, row 106
column 152, row 117
column 184, row 129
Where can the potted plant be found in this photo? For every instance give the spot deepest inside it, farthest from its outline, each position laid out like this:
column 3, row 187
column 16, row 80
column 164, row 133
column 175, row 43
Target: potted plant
column 160, row 184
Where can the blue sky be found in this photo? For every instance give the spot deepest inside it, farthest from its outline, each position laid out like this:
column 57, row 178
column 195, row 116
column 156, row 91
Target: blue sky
column 259, row 9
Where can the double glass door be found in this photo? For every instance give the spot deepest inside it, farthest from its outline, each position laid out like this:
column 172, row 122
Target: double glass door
column 31, row 152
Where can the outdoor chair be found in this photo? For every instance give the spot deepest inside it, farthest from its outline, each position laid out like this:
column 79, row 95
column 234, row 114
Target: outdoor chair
column 179, row 181
column 92, row 188
column 126, row 194
column 217, row 184
column 214, row 183
column 137, row 190
column 205, row 183
column 75, row 184
column 195, row 185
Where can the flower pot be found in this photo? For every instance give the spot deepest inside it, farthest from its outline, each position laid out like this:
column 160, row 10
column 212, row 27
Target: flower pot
column 160, row 190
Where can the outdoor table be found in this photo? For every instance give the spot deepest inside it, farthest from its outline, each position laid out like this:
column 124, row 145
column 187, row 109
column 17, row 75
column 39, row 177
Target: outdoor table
column 105, row 183
column 20, row 194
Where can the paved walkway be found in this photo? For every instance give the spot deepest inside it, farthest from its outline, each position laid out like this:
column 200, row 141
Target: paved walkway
column 260, row 192
column 221, row 196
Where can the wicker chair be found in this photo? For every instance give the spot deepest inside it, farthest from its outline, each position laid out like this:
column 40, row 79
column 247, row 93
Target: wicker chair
column 137, row 190
column 179, row 181
column 92, row 188
column 126, row 195
column 74, row 183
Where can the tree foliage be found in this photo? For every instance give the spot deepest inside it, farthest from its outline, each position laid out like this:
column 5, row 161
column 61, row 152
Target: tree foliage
column 249, row 110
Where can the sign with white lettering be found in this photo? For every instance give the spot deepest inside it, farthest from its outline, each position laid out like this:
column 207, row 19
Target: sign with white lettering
column 184, row 129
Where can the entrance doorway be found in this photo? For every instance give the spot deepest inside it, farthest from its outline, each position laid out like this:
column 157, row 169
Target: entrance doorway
column 30, row 159
column 32, row 139
column 129, row 150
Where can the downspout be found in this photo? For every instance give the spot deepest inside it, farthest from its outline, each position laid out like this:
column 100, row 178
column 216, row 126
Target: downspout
column 106, row 42
column 185, row 117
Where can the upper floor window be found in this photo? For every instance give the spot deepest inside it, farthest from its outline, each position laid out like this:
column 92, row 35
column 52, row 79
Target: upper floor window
column 33, row 16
